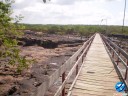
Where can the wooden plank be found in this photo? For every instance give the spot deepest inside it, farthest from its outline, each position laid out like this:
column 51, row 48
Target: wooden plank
column 97, row 76
column 96, row 88
column 100, row 83
column 81, row 84
column 80, row 92
column 71, row 71
column 100, row 80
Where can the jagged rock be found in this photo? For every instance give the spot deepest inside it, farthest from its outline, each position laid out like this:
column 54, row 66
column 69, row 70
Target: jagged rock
column 2, row 81
column 12, row 90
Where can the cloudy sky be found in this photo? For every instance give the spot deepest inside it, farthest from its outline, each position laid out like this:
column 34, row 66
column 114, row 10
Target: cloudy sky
column 71, row 11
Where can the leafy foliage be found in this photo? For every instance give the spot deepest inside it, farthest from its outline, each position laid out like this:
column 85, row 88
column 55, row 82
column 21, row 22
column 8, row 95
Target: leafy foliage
column 77, row 29
column 9, row 52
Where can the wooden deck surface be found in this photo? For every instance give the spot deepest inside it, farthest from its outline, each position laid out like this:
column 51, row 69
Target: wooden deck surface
column 97, row 76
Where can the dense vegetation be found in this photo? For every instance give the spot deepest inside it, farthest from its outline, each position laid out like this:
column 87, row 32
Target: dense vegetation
column 9, row 52
column 77, row 29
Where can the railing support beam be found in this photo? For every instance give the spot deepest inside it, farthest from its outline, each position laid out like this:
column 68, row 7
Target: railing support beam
column 126, row 71
column 63, row 78
column 114, row 51
column 77, row 66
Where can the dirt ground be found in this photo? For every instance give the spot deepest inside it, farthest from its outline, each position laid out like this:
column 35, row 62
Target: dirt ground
column 122, row 42
column 46, row 62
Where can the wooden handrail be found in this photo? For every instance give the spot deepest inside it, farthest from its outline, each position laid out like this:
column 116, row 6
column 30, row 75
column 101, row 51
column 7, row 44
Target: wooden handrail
column 73, row 68
column 114, row 48
column 41, row 90
column 117, row 47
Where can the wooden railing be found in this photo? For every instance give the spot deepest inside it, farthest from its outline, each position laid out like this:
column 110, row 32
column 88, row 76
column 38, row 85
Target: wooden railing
column 119, row 58
column 78, row 56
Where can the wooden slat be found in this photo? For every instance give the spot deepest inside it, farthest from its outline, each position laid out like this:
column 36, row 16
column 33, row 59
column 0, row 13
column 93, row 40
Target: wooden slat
column 94, row 82
column 72, row 70
column 97, row 76
column 80, row 92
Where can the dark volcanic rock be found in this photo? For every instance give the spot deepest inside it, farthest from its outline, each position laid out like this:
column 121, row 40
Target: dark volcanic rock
column 25, row 87
column 2, row 81
column 43, row 43
column 49, row 44
column 12, row 90
column 119, row 36
column 51, row 41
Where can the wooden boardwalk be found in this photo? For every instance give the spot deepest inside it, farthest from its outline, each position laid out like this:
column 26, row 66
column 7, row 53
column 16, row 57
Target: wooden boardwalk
column 97, row 76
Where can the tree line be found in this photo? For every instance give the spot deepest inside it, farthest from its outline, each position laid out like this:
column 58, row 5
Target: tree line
column 76, row 29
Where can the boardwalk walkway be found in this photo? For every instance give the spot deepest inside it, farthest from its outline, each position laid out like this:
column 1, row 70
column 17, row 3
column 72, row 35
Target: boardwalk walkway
column 97, row 76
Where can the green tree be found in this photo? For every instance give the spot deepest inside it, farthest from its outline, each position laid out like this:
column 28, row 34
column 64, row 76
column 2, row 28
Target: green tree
column 53, row 29
column 82, row 32
column 9, row 52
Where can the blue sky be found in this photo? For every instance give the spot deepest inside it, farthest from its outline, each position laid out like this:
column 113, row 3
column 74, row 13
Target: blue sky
column 71, row 11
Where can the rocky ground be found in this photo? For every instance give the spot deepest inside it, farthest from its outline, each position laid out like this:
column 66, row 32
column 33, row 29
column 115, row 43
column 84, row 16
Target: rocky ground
column 49, row 52
column 120, row 40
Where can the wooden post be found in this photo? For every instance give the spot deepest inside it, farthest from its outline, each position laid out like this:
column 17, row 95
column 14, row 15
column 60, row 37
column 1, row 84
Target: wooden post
column 118, row 59
column 77, row 67
column 82, row 59
column 113, row 54
column 109, row 49
column 63, row 78
column 126, row 71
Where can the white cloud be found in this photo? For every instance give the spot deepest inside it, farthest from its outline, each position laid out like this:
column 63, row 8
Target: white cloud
column 69, row 11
